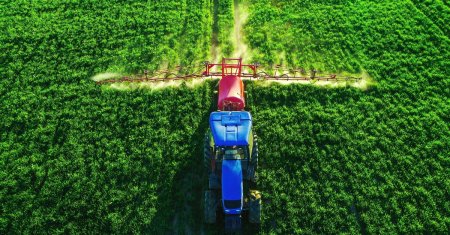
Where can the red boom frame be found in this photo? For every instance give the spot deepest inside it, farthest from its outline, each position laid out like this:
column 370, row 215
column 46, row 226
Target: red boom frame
column 230, row 68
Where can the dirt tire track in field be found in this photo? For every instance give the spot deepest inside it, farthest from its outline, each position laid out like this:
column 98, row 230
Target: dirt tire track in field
column 240, row 18
column 241, row 50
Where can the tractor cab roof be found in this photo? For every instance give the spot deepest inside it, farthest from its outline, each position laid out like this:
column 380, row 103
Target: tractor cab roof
column 231, row 128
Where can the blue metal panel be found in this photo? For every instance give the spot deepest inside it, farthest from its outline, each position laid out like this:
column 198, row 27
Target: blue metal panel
column 231, row 128
column 232, row 185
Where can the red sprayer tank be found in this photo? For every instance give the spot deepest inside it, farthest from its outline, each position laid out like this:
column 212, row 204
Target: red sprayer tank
column 231, row 87
column 231, row 93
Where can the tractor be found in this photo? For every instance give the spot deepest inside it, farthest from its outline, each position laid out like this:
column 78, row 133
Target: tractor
column 231, row 153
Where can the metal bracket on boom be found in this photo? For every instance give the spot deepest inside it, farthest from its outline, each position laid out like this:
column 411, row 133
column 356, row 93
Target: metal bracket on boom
column 227, row 67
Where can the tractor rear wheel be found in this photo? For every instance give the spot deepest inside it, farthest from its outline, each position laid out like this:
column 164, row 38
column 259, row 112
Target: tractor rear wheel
column 213, row 181
column 254, row 160
column 210, row 207
column 207, row 153
column 254, row 216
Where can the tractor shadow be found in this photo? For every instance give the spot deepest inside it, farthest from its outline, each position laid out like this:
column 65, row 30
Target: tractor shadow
column 189, row 183
column 179, row 205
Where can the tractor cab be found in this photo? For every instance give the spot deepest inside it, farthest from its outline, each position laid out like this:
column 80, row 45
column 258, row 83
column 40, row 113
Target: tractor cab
column 232, row 139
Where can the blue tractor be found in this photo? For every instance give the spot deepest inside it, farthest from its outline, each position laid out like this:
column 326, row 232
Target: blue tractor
column 231, row 157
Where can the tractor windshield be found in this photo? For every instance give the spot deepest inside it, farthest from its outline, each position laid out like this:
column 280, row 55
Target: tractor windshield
column 237, row 153
column 232, row 204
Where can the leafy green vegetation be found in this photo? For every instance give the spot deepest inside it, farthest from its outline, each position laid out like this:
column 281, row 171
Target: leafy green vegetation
column 343, row 160
column 74, row 40
column 438, row 11
column 223, row 25
column 79, row 158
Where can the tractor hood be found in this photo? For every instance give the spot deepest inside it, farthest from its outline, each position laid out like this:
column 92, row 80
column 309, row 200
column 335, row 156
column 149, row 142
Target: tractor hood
column 232, row 188
column 231, row 128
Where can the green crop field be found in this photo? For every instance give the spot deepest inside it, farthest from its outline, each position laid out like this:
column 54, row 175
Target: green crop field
column 76, row 157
